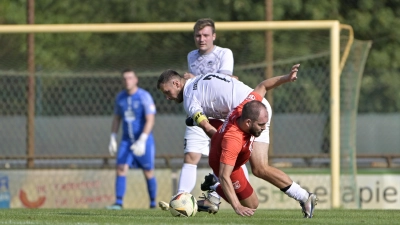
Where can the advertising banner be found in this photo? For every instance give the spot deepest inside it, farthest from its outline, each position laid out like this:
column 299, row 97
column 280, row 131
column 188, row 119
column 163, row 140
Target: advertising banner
column 95, row 189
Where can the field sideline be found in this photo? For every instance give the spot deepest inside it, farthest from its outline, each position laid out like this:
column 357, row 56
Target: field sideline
column 227, row 216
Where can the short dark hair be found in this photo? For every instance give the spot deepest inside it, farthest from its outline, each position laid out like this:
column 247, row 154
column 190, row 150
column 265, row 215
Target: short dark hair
column 252, row 109
column 127, row 70
column 167, row 76
column 204, row 22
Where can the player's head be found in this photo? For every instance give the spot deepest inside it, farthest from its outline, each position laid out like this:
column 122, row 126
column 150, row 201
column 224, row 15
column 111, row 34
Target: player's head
column 204, row 35
column 255, row 117
column 171, row 84
column 130, row 79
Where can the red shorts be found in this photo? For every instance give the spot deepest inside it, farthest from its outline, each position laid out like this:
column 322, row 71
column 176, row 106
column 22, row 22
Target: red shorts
column 215, row 122
column 242, row 187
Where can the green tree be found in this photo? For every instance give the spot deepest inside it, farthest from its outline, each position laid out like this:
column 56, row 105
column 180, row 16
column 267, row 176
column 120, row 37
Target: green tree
column 372, row 20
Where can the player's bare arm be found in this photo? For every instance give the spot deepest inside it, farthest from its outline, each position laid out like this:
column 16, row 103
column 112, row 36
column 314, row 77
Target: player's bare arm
column 216, row 123
column 148, row 127
column 209, row 129
column 225, row 172
column 201, row 120
column 274, row 82
column 115, row 124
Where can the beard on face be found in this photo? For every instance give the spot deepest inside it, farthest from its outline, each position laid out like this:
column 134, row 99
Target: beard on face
column 254, row 131
column 179, row 98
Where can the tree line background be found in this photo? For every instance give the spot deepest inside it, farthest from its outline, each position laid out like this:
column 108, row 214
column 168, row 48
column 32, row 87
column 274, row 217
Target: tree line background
column 371, row 20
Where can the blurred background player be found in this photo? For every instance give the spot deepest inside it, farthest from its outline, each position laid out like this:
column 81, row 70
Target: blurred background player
column 135, row 107
column 207, row 58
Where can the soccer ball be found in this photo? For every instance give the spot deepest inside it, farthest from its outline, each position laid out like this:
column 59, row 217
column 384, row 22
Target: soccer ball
column 183, row 205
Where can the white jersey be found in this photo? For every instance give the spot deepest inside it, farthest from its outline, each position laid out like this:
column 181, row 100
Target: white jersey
column 220, row 60
column 214, row 94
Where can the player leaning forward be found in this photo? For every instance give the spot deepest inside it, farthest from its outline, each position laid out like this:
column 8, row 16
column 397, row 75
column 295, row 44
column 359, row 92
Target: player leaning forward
column 203, row 99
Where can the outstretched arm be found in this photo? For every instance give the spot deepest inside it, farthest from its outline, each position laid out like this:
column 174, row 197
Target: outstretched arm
column 273, row 82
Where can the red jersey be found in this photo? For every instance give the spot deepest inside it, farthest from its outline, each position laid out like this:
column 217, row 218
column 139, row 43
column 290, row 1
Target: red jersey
column 230, row 145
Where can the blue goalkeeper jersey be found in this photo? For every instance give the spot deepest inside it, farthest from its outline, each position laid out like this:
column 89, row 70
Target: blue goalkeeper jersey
column 133, row 110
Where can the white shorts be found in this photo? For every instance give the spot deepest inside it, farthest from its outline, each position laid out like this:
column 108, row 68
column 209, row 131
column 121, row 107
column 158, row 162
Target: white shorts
column 196, row 140
column 264, row 137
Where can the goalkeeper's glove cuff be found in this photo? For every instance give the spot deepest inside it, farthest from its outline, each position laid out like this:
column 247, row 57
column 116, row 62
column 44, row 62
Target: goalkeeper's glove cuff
column 114, row 135
column 143, row 137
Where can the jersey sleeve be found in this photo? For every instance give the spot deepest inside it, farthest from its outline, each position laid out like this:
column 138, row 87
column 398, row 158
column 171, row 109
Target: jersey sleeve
column 230, row 147
column 192, row 106
column 226, row 62
column 251, row 97
column 148, row 103
column 189, row 61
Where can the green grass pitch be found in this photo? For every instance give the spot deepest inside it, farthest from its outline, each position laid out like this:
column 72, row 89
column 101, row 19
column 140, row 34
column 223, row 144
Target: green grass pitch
column 227, row 216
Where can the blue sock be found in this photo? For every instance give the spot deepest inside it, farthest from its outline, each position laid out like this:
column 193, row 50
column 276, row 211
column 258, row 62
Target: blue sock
column 120, row 187
column 152, row 189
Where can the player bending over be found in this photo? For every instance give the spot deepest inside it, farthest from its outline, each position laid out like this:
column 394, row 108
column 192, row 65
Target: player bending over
column 203, row 99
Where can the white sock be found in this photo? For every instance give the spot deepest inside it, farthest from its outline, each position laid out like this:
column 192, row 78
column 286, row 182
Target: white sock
column 214, row 197
column 187, row 180
column 297, row 192
column 214, row 187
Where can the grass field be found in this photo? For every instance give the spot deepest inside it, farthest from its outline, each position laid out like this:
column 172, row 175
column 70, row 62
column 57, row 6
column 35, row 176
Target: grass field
column 275, row 217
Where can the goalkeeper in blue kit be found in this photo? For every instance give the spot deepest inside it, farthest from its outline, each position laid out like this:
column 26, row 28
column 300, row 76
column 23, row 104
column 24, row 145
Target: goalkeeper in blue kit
column 135, row 107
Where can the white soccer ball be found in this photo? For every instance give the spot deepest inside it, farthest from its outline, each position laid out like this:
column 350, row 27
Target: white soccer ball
column 183, row 205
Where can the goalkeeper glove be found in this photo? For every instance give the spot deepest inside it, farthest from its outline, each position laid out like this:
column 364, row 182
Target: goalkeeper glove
column 112, row 147
column 139, row 147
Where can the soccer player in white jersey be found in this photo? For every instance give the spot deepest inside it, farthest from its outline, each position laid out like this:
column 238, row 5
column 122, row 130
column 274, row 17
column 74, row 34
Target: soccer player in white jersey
column 215, row 95
column 207, row 58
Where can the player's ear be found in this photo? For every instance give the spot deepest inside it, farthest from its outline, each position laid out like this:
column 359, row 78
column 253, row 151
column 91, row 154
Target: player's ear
column 175, row 83
column 248, row 122
column 214, row 36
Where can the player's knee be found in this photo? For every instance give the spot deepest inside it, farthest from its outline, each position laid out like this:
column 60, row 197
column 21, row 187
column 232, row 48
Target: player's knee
column 257, row 172
column 122, row 170
column 251, row 202
column 192, row 158
column 148, row 174
column 255, row 203
column 260, row 171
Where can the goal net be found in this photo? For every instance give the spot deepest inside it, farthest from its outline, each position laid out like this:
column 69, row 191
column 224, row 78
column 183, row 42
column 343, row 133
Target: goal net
column 77, row 77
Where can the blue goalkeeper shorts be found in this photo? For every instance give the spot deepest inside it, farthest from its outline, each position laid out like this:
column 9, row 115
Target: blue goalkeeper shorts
column 126, row 156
